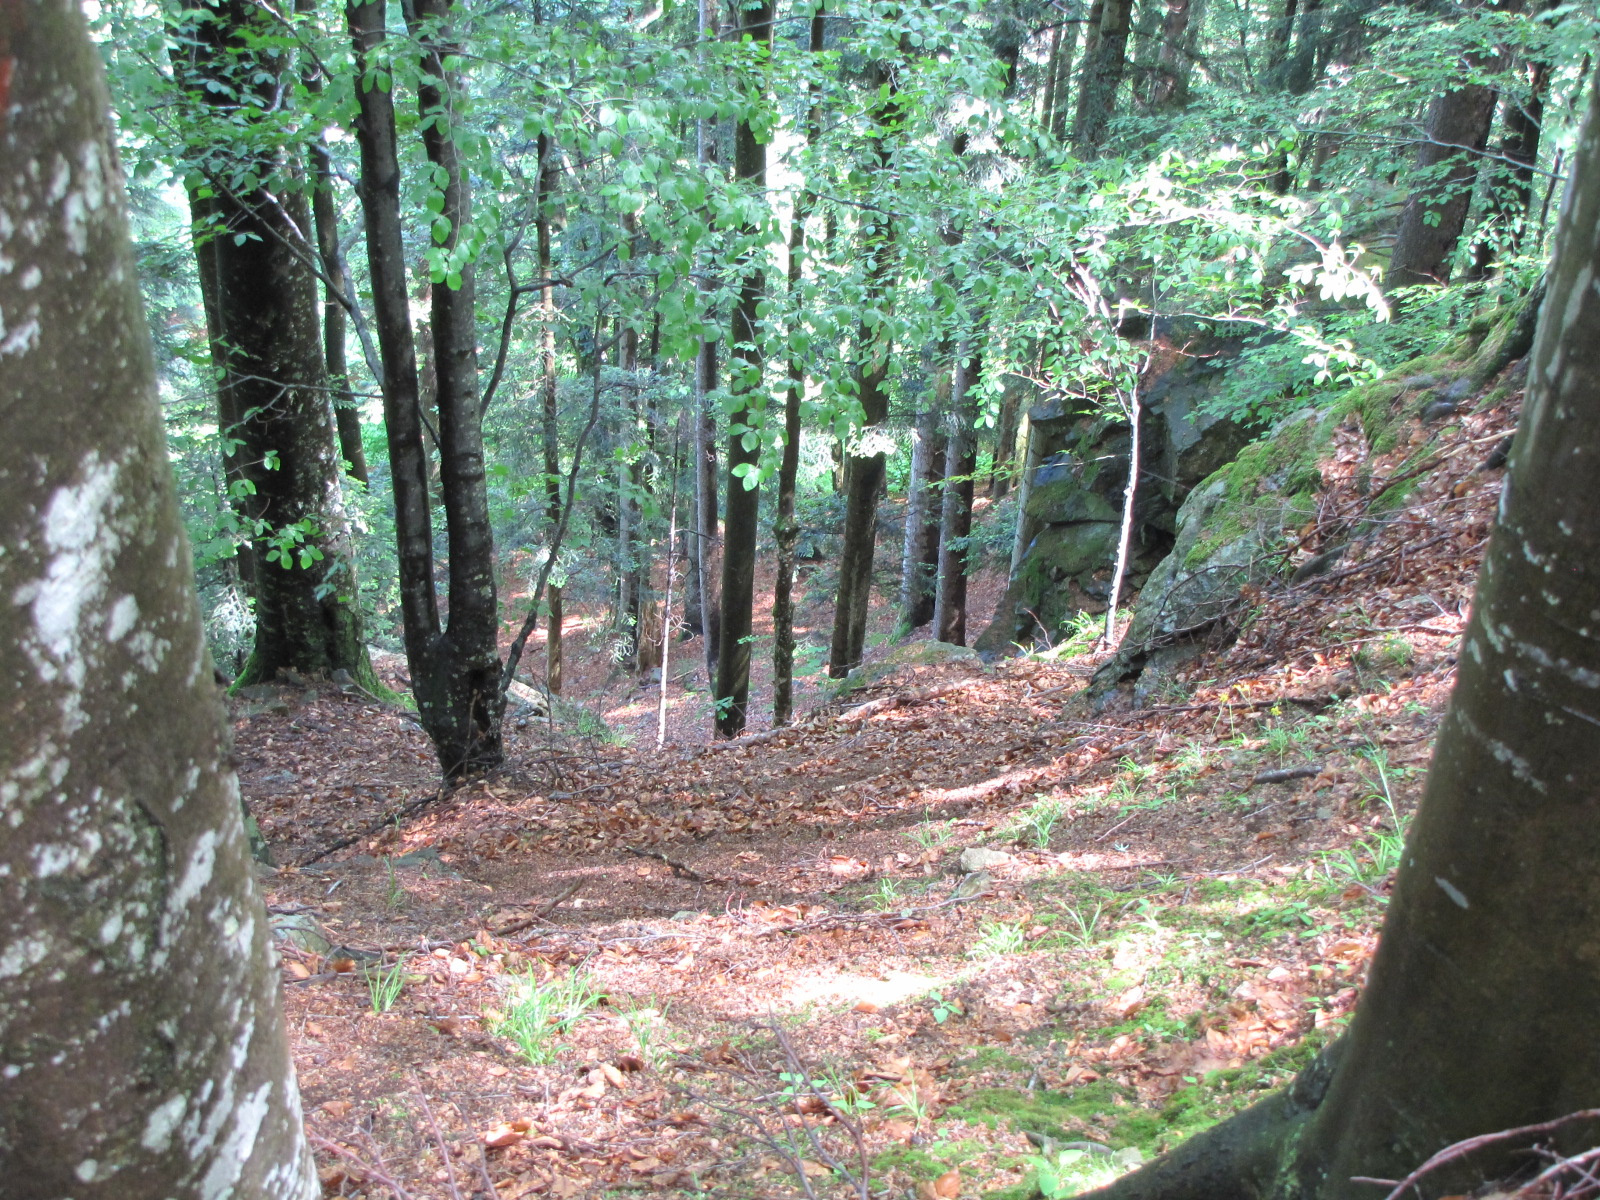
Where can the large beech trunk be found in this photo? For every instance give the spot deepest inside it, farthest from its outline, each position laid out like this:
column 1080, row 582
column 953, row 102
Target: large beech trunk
column 1436, row 211
column 1102, row 76
column 140, row 1024
column 1479, row 1013
column 260, row 296
column 919, row 558
column 455, row 670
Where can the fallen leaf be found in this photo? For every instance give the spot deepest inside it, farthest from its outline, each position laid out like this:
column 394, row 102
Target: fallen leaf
column 338, row 1109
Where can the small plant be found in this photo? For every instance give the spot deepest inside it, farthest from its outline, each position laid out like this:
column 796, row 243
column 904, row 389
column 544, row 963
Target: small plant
column 384, row 985
column 1074, row 1170
column 838, row 1094
column 1039, row 818
column 645, row 1021
column 1398, row 651
column 393, row 894
column 930, row 835
column 911, row 1101
column 941, row 1008
column 536, row 1013
column 1081, row 926
column 887, row 894
column 998, row 938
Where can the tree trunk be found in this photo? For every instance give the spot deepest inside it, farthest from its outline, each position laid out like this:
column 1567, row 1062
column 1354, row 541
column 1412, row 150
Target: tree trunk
column 1061, row 111
column 140, row 1021
column 455, row 672
column 865, row 472
column 1510, row 198
column 732, row 693
column 1175, row 62
column 549, row 177
column 261, row 309
column 1447, row 166
column 1479, row 1013
column 786, row 529
column 1102, row 76
column 1005, row 445
column 1052, row 75
column 919, row 558
column 325, row 217
column 707, row 539
column 950, row 609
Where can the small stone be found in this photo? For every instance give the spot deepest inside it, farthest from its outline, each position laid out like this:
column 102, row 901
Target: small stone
column 1438, row 410
column 977, row 858
column 1128, row 1156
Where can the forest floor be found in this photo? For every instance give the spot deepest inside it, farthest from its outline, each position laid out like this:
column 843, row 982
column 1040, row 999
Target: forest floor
column 948, row 935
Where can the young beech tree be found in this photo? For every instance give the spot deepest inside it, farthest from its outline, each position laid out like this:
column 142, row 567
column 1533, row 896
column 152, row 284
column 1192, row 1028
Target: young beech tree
column 1479, row 1012
column 140, row 1030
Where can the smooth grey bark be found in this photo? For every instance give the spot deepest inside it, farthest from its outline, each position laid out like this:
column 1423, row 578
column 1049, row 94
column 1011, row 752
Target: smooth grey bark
column 140, row 1026
column 1479, row 1012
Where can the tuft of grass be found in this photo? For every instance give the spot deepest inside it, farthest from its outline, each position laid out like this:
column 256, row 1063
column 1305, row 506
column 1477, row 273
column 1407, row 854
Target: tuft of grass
column 1080, row 924
column 1038, row 819
column 930, row 835
column 998, row 938
column 384, row 984
column 393, row 894
column 538, row 1013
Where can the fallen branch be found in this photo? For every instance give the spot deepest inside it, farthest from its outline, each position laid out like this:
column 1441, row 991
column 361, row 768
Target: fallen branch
column 872, row 707
column 1309, row 771
column 681, row 870
column 544, row 910
column 406, row 811
column 1467, row 1146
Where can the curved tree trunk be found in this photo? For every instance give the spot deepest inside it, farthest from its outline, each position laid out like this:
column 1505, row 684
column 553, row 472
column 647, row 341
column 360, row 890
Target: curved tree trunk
column 139, row 1012
column 1479, row 1013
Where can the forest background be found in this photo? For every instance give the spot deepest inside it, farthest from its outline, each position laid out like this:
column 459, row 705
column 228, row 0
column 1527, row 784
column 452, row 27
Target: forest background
column 451, row 300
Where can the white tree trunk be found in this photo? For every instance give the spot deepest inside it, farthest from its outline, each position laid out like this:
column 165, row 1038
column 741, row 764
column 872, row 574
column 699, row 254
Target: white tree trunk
column 140, row 1027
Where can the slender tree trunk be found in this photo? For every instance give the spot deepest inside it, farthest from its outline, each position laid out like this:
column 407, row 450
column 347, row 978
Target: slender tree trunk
column 455, row 672
column 1125, row 532
column 740, row 528
column 549, row 178
column 1479, row 1010
column 786, row 529
column 1052, row 76
column 950, row 608
column 919, row 557
column 1030, row 463
column 1102, row 76
column 864, row 473
column 707, row 540
column 325, row 216
column 140, row 1020
column 261, row 307
column 1005, row 445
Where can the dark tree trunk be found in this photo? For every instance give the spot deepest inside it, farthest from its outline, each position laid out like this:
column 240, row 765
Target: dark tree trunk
column 325, row 216
column 549, row 177
column 1175, row 62
column 864, row 473
column 261, row 309
column 708, row 536
column 1003, row 467
column 1052, row 75
column 455, row 671
column 786, row 530
column 919, row 557
column 1447, row 167
column 732, row 693
column 1061, row 109
column 1510, row 197
column 140, row 1020
column 955, row 523
column 1102, row 76
column 1479, row 1012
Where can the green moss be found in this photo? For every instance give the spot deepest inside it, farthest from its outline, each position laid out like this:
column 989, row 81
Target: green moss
column 930, row 1159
